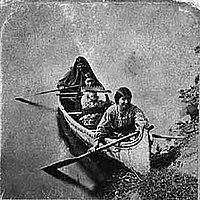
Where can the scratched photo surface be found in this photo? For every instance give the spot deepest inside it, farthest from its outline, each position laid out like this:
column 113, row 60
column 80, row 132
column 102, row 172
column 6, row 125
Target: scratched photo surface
column 150, row 47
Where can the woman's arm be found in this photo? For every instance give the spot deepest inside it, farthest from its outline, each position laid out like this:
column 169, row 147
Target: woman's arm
column 105, row 124
column 140, row 119
column 102, row 130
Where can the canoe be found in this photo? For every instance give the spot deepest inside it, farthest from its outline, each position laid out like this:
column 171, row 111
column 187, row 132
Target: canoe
column 134, row 153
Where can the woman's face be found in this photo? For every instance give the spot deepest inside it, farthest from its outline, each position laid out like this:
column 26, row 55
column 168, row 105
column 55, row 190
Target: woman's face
column 93, row 96
column 124, row 103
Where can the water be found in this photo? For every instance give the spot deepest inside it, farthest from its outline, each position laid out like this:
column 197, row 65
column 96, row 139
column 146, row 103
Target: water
column 30, row 131
column 126, row 45
column 31, row 141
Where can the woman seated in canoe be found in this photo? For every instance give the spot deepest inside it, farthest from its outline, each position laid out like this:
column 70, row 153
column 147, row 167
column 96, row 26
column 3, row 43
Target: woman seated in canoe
column 73, row 80
column 77, row 74
column 120, row 119
column 92, row 107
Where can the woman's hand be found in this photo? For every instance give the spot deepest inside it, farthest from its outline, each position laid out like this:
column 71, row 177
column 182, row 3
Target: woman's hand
column 93, row 149
column 62, row 87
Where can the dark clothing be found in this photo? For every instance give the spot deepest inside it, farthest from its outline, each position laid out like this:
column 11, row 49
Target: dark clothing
column 76, row 74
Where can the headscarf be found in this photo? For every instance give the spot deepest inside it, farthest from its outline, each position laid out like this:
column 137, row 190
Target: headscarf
column 78, row 74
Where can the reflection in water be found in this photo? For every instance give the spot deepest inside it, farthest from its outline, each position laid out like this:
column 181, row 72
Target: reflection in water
column 96, row 167
column 67, row 179
column 76, row 148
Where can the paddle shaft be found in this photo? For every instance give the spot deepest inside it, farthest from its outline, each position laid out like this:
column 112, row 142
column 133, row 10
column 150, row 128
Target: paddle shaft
column 69, row 161
column 55, row 90
column 61, row 94
column 167, row 136
column 45, row 92
column 98, row 91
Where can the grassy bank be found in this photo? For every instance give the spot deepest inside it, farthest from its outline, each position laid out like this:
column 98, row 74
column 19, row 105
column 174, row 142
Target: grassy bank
column 159, row 184
column 174, row 167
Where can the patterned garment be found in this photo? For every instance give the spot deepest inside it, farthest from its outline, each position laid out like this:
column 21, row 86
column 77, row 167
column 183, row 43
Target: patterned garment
column 86, row 102
column 92, row 113
column 87, row 105
column 90, row 120
column 124, row 122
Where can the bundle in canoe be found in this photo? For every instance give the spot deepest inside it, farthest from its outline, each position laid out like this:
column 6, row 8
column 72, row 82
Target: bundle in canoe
column 134, row 153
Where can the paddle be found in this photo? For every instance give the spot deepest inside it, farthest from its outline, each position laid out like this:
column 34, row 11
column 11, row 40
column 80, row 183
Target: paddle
column 167, row 136
column 39, row 93
column 47, row 91
column 36, row 104
column 55, row 90
column 99, row 91
column 69, row 161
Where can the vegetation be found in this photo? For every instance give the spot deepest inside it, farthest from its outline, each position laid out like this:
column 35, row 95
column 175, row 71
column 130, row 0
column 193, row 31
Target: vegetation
column 167, row 180
column 168, row 184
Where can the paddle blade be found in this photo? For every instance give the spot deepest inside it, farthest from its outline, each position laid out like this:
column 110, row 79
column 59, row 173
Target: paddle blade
column 59, row 164
column 35, row 104
column 26, row 101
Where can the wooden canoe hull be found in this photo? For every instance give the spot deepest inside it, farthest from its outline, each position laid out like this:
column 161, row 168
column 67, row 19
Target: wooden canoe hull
column 134, row 154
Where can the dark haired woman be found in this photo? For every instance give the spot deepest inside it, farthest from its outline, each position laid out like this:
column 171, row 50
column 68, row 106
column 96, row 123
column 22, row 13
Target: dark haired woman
column 73, row 80
column 123, row 117
column 78, row 74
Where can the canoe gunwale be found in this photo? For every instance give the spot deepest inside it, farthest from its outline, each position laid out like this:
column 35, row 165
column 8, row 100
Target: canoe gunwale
column 77, row 128
column 134, row 153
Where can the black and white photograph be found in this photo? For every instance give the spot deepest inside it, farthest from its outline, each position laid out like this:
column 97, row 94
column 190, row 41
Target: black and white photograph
column 100, row 99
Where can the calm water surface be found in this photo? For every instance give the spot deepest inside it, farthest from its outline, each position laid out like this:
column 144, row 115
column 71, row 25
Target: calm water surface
column 30, row 140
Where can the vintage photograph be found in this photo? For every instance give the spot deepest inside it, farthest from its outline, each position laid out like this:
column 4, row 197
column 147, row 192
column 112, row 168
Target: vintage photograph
column 100, row 100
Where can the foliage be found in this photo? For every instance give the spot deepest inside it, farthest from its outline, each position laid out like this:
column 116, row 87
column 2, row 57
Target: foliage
column 168, row 184
column 164, row 183
column 119, row 186
column 191, row 98
column 191, row 95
